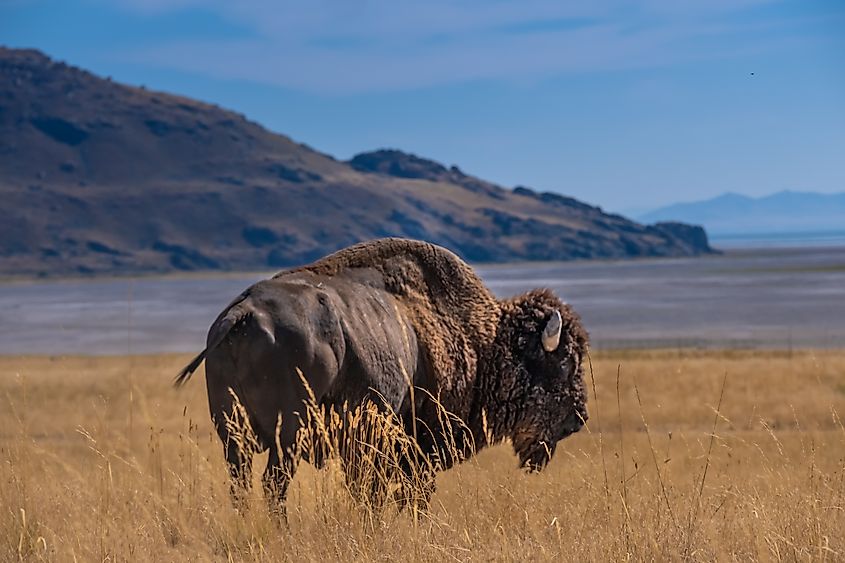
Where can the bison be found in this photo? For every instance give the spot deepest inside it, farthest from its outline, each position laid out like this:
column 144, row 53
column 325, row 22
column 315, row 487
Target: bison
column 406, row 325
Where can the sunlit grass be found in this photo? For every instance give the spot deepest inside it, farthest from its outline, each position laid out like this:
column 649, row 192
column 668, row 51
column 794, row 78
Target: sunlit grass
column 100, row 459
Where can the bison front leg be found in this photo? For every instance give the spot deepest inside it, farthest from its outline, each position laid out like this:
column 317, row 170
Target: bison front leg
column 418, row 482
column 368, row 486
column 276, row 480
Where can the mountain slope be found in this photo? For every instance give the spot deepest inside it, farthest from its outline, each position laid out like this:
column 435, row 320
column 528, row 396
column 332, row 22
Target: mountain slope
column 100, row 177
column 785, row 211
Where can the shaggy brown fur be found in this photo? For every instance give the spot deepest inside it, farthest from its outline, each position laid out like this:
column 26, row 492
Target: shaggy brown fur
column 454, row 314
column 532, row 396
column 488, row 366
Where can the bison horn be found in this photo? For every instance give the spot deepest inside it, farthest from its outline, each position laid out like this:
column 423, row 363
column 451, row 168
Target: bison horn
column 551, row 334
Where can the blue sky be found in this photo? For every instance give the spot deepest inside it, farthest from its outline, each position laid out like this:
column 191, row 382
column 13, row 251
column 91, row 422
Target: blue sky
column 629, row 105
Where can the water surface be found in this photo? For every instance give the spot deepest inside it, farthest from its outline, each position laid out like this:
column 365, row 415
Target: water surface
column 776, row 297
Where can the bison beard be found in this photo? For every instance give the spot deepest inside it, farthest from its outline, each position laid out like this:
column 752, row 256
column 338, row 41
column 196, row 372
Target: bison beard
column 407, row 325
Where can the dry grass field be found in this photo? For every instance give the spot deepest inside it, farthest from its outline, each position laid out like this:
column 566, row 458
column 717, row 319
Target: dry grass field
column 101, row 460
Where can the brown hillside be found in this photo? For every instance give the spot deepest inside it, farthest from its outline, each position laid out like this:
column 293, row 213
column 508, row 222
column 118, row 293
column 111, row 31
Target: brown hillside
column 99, row 177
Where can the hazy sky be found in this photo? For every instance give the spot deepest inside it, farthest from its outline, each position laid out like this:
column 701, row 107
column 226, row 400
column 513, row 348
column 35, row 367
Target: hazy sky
column 628, row 105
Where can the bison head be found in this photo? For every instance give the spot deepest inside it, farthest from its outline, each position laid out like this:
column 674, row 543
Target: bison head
column 548, row 347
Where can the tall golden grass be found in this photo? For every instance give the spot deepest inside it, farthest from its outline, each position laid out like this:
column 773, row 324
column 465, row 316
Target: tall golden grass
column 688, row 455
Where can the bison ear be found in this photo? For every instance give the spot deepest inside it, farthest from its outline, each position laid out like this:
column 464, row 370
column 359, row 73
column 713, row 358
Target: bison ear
column 551, row 334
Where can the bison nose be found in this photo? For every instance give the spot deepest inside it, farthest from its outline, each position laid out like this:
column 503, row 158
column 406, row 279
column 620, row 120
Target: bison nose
column 574, row 422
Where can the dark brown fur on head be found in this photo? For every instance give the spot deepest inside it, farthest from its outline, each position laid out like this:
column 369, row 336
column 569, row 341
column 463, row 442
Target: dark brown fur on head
column 538, row 397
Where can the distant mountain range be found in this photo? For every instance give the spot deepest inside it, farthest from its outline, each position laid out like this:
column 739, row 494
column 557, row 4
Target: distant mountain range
column 98, row 177
column 783, row 212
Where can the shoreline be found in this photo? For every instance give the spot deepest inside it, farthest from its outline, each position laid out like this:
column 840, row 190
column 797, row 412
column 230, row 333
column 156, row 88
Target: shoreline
column 720, row 252
column 600, row 354
column 737, row 252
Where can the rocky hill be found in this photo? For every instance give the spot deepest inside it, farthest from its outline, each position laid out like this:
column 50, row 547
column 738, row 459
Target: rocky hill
column 99, row 177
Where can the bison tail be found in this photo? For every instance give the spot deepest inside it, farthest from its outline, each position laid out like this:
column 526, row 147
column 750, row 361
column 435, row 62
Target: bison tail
column 233, row 315
column 189, row 370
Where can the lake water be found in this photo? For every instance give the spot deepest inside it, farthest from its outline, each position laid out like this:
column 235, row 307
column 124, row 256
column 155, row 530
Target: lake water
column 772, row 297
column 779, row 240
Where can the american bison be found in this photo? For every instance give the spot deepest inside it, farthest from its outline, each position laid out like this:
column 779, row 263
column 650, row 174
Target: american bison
column 409, row 326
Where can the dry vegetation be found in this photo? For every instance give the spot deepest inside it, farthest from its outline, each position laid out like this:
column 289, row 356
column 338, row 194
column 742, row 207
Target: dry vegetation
column 100, row 459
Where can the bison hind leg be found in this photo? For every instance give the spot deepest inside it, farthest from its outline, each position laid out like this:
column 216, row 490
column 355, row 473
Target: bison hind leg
column 276, row 480
column 239, row 461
